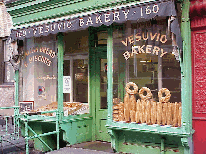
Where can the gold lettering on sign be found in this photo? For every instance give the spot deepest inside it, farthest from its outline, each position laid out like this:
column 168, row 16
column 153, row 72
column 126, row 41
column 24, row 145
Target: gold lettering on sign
column 156, row 50
column 126, row 55
column 145, row 36
column 125, row 43
column 148, row 48
column 153, row 36
column 131, row 39
column 145, row 49
column 138, row 37
column 163, row 38
column 47, row 77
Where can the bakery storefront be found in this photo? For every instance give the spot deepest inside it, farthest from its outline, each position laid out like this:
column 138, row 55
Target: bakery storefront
column 113, row 75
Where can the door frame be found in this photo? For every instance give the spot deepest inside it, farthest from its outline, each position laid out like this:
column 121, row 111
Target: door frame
column 94, row 86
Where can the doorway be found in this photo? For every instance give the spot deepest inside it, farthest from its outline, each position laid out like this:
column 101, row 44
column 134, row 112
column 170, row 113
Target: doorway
column 101, row 97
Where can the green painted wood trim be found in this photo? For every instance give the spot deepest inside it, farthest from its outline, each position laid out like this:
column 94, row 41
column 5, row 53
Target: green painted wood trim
column 187, row 68
column 110, row 73
column 60, row 54
column 16, row 88
column 92, row 91
column 186, row 78
column 155, row 129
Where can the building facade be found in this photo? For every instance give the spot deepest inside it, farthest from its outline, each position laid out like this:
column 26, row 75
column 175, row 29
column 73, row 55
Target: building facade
column 116, row 71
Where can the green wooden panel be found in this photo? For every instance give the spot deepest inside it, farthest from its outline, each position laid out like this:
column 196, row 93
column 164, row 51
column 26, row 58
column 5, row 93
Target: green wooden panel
column 133, row 142
column 77, row 131
column 101, row 114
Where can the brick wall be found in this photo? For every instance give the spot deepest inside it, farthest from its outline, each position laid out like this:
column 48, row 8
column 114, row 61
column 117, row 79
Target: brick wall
column 7, row 99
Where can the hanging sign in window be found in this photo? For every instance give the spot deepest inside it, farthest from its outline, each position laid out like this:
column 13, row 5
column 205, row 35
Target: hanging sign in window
column 26, row 106
column 66, row 84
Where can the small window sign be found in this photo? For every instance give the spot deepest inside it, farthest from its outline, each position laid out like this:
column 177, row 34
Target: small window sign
column 66, row 84
column 26, row 106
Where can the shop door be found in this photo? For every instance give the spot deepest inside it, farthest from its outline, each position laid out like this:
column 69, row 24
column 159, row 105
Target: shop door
column 101, row 97
column 199, row 92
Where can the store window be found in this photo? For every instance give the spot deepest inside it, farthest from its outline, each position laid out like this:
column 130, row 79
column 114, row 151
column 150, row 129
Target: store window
column 76, row 73
column 146, row 74
column 38, row 74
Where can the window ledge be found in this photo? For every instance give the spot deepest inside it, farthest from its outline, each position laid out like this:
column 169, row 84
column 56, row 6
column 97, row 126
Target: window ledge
column 7, row 85
column 156, row 129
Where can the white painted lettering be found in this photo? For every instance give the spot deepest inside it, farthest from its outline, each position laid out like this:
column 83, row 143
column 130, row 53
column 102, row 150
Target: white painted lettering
column 59, row 26
column 41, row 30
column 47, row 29
column 116, row 16
column 89, row 20
column 98, row 19
column 81, row 22
column 148, row 11
column 125, row 13
column 107, row 17
column 69, row 24
column 54, row 26
column 155, row 8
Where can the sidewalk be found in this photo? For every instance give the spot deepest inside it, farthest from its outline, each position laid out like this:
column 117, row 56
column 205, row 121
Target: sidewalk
column 17, row 146
column 96, row 147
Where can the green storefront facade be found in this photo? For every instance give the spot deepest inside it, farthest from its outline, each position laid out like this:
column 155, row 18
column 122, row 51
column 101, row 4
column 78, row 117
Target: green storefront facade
column 101, row 47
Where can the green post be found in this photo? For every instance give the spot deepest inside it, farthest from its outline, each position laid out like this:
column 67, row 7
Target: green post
column 57, row 128
column 186, row 76
column 16, row 88
column 26, row 134
column 109, row 73
column 60, row 46
column 92, row 92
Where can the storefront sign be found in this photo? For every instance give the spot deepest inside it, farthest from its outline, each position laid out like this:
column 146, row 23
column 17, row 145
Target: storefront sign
column 132, row 13
column 66, row 84
column 134, row 39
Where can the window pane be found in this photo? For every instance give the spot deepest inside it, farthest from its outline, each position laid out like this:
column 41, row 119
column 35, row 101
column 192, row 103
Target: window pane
column 9, row 72
column 146, row 74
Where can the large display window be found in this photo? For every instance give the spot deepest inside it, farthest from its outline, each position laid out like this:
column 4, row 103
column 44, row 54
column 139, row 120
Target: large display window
column 38, row 75
column 146, row 74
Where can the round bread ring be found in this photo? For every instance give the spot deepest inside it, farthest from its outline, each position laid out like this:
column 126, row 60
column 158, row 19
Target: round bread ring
column 141, row 95
column 167, row 93
column 131, row 92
